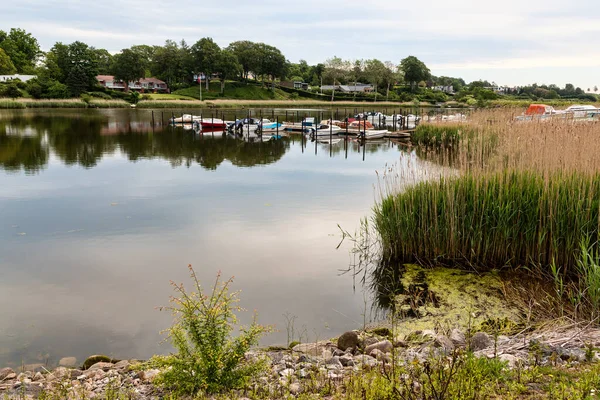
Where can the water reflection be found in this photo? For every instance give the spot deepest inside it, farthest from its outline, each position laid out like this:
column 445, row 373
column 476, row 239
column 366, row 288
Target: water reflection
column 95, row 221
column 25, row 144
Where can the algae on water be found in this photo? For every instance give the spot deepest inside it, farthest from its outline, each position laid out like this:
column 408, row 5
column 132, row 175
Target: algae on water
column 444, row 298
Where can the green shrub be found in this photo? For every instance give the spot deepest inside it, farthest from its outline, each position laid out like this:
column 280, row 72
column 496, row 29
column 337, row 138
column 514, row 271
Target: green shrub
column 100, row 95
column 11, row 90
column 209, row 359
column 57, row 90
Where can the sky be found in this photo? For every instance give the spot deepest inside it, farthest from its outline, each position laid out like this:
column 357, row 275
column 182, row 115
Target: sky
column 512, row 42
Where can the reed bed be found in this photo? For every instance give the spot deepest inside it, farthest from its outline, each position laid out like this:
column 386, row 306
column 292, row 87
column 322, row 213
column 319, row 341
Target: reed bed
column 510, row 218
column 511, row 194
column 11, row 104
column 100, row 103
column 54, row 103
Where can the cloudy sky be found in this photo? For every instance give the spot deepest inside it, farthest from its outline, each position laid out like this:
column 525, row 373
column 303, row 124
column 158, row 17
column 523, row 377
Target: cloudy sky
column 510, row 42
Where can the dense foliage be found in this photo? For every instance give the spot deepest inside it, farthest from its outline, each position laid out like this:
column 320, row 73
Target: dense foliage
column 75, row 66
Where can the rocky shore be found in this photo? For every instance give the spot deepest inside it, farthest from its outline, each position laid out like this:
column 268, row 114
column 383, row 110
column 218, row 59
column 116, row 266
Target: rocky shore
column 293, row 371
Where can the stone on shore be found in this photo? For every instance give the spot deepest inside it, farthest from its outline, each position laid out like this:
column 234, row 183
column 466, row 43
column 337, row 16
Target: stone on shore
column 480, row 341
column 4, row 372
column 385, row 346
column 348, row 340
column 69, row 362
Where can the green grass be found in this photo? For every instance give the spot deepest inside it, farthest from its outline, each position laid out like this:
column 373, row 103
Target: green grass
column 97, row 103
column 66, row 103
column 439, row 135
column 167, row 96
column 495, row 220
column 6, row 103
column 233, row 90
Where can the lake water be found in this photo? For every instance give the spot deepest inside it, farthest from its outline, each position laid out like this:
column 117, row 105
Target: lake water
column 100, row 210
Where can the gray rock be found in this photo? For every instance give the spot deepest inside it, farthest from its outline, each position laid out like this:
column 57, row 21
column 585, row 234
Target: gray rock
column 67, row 362
column 313, row 349
column 400, row 343
column 124, row 364
column 347, row 360
column 303, row 373
column 101, row 365
column 444, row 343
column 348, row 340
column 369, row 342
column 38, row 377
column 385, row 346
column 509, row 359
column 458, row 338
column 380, row 356
column 4, row 372
column 286, row 373
column 334, row 362
column 338, row 352
column 480, row 341
column 366, row 360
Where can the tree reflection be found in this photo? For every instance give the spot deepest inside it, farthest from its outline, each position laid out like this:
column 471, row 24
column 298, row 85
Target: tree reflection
column 27, row 141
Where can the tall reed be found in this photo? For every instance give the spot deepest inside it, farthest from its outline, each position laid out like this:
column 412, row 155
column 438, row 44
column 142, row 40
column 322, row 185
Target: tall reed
column 10, row 104
column 510, row 218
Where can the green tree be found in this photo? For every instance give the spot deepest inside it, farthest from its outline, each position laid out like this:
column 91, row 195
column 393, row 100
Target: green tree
column 414, row 71
column 74, row 65
column 227, row 66
column 103, row 60
column 81, row 70
column 205, row 56
column 334, row 71
column 272, row 62
column 6, row 65
column 22, row 48
column 247, row 53
column 170, row 63
column 129, row 66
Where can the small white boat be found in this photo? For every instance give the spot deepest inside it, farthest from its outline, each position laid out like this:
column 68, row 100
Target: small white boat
column 373, row 134
column 583, row 111
column 185, row 118
column 326, row 130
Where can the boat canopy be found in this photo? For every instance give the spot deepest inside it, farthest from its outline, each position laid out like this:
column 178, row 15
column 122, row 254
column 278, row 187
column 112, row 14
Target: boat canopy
column 539, row 109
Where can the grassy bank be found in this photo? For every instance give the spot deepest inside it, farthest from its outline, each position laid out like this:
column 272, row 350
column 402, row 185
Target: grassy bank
column 516, row 195
column 225, row 103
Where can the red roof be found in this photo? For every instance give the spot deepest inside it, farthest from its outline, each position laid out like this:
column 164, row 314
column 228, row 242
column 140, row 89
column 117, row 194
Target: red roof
column 104, row 78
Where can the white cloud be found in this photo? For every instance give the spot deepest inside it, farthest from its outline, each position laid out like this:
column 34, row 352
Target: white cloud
column 472, row 37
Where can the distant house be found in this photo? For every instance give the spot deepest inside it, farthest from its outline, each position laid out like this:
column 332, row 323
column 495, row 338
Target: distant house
column 358, row 88
column 294, row 85
column 144, row 85
column 449, row 89
column 22, row 78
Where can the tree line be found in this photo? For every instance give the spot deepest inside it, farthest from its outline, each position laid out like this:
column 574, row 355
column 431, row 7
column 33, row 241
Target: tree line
column 68, row 70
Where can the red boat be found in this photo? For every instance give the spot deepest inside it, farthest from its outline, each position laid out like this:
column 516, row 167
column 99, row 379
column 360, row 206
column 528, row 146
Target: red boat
column 213, row 123
column 210, row 123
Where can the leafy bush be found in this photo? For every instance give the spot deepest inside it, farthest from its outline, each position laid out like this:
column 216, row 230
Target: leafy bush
column 208, row 358
column 134, row 97
column 20, row 84
column 10, row 90
column 57, row 90
column 100, row 95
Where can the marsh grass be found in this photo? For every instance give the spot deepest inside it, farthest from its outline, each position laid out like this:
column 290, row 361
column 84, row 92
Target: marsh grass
column 511, row 195
column 54, row 103
column 100, row 103
column 11, row 104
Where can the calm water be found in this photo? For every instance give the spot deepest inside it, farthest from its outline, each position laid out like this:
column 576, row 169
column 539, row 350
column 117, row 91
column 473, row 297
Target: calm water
column 99, row 210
